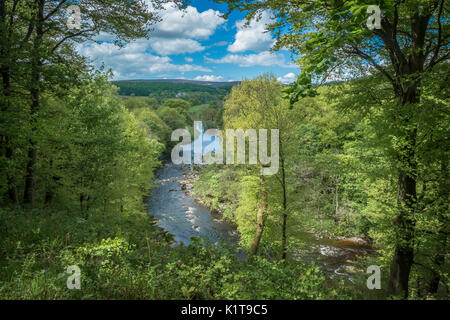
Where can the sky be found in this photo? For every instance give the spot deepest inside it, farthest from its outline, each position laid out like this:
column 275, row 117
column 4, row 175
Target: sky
column 196, row 44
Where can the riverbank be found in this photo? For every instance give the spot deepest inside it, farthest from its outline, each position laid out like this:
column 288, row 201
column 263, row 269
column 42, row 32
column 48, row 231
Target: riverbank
column 190, row 177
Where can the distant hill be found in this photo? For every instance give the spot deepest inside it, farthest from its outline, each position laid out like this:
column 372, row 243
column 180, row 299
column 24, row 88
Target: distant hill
column 161, row 89
column 196, row 82
column 146, row 87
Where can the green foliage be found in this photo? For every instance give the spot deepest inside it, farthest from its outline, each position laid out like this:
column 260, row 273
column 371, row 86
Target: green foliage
column 174, row 118
column 174, row 112
column 210, row 114
column 301, row 89
column 218, row 187
column 37, row 247
column 248, row 206
column 135, row 103
column 155, row 127
column 178, row 104
column 122, row 256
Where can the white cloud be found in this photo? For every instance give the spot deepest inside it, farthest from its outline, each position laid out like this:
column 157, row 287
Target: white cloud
column 252, row 37
column 133, row 61
column 287, row 78
column 208, row 78
column 265, row 58
column 175, row 46
column 178, row 30
column 187, row 23
column 188, row 59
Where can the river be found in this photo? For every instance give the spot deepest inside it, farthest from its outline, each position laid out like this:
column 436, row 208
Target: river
column 179, row 213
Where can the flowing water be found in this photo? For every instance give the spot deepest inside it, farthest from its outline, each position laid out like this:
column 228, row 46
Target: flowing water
column 180, row 214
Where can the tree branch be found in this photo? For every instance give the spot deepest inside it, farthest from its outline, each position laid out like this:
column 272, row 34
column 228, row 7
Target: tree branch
column 72, row 35
column 51, row 13
column 368, row 58
column 28, row 35
column 433, row 61
column 11, row 21
column 386, row 34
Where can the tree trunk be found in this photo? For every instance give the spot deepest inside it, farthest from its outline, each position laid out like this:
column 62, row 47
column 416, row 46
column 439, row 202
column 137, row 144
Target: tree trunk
column 30, row 178
column 407, row 199
column 12, row 189
column 6, row 85
column 438, row 262
column 441, row 245
column 36, row 64
column 336, row 203
column 259, row 216
column 8, row 151
column 284, row 233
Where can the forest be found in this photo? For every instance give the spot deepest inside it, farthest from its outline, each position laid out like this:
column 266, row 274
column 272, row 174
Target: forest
column 194, row 93
column 363, row 160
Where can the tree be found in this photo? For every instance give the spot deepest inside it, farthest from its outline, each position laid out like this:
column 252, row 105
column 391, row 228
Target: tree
column 177, row 104
column 173, row 118
column 257, row 104
column 155, row 126
column 38, row 30
column 332, row 37
column 13, row 18
column 152, row 103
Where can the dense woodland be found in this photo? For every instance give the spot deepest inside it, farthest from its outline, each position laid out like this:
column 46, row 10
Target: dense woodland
column 366, row 156
column 194, row 93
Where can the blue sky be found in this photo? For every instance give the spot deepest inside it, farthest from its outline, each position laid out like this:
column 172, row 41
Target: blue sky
column 195, row 44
